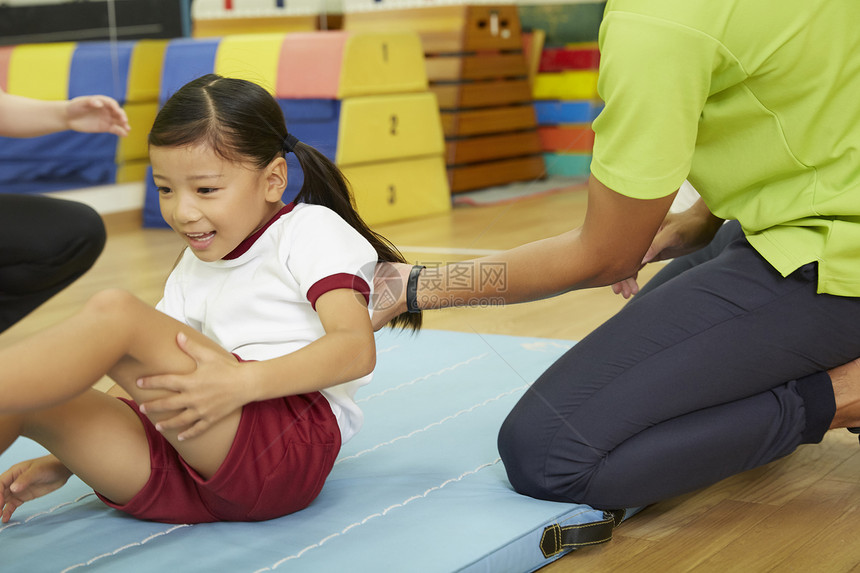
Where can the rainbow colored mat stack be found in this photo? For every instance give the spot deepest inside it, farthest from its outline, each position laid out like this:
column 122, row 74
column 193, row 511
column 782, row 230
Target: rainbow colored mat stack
column 566, row 102
column 361, row 99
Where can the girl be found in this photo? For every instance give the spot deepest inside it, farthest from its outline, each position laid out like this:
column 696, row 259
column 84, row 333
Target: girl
column 270, row 299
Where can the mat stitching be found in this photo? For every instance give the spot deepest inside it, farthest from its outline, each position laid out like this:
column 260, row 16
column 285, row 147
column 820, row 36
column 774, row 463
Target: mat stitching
column 425, row 377
column 438, row 423
column 124, row 547
column 379, row 514
column 46, row 512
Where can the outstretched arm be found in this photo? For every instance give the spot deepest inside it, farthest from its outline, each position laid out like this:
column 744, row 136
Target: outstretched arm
column 607, row 248
column 28, row 117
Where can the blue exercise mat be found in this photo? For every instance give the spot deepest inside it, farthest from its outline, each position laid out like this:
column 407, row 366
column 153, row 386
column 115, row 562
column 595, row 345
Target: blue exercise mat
column 420, row 488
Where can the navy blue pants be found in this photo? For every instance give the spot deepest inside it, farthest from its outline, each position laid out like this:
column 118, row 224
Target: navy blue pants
column 45, row 244
column 715, row 368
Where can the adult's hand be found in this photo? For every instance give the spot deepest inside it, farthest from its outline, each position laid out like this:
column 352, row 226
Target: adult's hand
column 679, row 234
column 389, row 292
column 97, row 114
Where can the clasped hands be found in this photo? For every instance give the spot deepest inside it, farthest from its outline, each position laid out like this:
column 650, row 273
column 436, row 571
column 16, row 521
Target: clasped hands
column 679, row 234
column 201, row 398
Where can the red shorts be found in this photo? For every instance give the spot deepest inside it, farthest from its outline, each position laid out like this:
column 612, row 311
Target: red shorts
column 282, row 453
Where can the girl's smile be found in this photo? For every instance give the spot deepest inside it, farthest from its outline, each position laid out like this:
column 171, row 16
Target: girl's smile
column 199, row 241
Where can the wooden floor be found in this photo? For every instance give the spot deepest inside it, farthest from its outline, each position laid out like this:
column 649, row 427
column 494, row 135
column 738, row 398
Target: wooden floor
column 793, row 515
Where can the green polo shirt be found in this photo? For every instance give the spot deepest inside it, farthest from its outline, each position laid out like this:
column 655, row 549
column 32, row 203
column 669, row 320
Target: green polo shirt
column 757, row 103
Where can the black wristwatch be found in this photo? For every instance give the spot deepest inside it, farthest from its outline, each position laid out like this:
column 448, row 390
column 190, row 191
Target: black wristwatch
column 412, row 289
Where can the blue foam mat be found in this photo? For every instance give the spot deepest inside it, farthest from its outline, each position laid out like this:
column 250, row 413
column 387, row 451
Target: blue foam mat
column 100, row 68
column 25, row 176
column 186, row 59
column 553, row 112
column 420, row 488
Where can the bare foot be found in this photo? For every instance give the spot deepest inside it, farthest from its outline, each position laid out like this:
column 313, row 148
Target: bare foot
column 846, row 390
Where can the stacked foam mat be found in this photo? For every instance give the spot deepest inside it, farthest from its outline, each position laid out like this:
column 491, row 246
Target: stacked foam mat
column 566, row 103
column 361, row 99
column 565, row 87
column 477, row 69
column 127, row 71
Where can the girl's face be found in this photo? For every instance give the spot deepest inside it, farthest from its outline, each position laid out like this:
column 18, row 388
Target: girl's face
column 214, row 203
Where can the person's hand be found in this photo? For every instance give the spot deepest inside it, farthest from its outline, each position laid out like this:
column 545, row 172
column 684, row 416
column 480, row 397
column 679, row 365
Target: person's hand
column 28, row 480
column 389, row 292
column 202, row 397
column 678, row 235
column 97, row 114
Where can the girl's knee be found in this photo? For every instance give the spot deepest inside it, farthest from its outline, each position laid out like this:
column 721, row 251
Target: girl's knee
column 112, row 302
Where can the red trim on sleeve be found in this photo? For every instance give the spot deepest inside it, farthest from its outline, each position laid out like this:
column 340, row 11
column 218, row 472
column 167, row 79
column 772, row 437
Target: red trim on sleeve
column 333, row 282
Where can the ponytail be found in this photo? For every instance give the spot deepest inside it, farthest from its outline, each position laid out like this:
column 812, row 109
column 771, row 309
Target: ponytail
column 325, row 185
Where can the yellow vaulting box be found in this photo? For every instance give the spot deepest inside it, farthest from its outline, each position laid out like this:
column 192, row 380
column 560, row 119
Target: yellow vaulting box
column 395, row 190
column 381, row 128
column 477, row 70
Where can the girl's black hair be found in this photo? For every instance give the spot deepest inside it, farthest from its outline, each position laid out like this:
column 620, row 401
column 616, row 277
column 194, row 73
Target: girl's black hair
column 241, row 121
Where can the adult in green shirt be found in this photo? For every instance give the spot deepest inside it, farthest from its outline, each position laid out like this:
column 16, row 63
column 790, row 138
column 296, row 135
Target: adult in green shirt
column 748, row 353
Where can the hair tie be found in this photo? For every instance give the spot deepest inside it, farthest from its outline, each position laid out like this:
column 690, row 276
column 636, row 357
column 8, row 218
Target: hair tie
column 290, row 142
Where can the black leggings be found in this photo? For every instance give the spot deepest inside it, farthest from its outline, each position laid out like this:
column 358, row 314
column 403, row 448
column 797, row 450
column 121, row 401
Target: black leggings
column 45, row 244
column 716, row 368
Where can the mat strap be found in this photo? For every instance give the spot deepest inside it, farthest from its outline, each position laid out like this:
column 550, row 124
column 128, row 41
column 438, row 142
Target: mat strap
column 557, row 539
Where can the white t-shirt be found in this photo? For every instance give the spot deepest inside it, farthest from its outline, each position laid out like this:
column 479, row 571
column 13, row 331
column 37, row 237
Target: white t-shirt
column 258, row 302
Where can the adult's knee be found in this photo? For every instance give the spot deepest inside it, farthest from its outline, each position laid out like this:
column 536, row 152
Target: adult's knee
column 541, row 463
column 524, row 452
column 88, row 231
column 81, row 245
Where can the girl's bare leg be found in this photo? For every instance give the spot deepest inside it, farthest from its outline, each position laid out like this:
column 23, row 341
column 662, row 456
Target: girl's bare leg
column 97, row 437
column 114, row 334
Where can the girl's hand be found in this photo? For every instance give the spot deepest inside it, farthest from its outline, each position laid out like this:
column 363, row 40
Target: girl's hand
column 203, row 397
column 97, row 114
column 28, row 480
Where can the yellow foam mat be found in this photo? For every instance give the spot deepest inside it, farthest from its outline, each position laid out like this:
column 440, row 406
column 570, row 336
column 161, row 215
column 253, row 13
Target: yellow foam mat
column 41, row 71
column 134, row 145
column 132, row 171
column 252, row 57
column 382, row 63
column 377, row 128
column 144, row 73
column 579, row 84
column 398, row 190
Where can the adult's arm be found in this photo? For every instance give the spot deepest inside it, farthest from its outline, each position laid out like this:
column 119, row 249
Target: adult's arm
column 28, row 117
column 607, row 248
